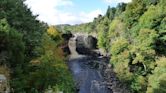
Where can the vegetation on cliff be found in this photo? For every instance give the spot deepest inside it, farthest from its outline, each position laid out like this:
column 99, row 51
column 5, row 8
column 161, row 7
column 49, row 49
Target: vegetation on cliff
column 134, row 34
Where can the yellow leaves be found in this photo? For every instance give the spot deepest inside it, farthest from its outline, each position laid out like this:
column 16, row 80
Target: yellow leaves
column 158, row 78
column 138, row 58
column 123, row 72
column 55, row 35
column 147, row 37
column 141, row 80
column 52, row 31
column 161, row 62
column 51, row 46
column 121, row 65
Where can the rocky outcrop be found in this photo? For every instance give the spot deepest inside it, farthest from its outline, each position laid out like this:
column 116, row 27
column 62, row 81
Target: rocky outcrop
column 86, row 44
column 67, row 36
column 90, row 42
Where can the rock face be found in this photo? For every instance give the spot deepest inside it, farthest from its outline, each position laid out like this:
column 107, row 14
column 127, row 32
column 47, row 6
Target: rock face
column 90, row 42
column 85, row 44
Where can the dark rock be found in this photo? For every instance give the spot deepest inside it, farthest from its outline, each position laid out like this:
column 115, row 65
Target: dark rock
column 112, row 81
column 85, row 45
column 91, row 42
column 66, row 50
column 80, row 42
column 67, row 36
column 65, row 47
column 99, row 87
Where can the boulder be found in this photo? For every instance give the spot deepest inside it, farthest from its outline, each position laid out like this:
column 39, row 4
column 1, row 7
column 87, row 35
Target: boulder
column 90, row 42
column 85, row 44
column 80, row 45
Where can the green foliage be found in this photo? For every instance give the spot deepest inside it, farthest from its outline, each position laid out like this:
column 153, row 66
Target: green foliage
column 119, row 46
column 103, row 41
column 134, row 48
column 12, row 44
column 16, row 48
column 53, row 72
column 132, row 62
column 49, row 70
column 133, row 34
column 121, row 7
column 102, row 29
column 157, row 80
column 110, row 13
column 152, row 18
column 133, row 12
column 35, row 59
column 121, row 66
column 23, row 22
column 139, row 84
column 144, row 46
column 116, row 29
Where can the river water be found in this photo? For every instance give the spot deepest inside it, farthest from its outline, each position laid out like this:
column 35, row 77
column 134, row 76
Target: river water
column 86, row 71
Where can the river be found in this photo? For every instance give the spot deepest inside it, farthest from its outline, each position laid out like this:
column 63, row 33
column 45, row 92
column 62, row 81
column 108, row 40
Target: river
column 87, row 71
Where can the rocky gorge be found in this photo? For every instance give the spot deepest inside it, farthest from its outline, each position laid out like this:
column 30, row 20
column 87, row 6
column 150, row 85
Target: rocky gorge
column 90, row 69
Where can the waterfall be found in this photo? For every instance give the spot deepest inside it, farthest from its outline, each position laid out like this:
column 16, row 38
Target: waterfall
column 86, row 70
column 72, row 46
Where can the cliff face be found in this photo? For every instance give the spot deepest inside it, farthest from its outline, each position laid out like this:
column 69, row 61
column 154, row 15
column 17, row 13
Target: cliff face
column 85, row 44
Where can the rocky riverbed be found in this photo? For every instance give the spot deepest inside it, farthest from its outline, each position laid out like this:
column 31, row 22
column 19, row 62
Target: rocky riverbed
column 91, row 71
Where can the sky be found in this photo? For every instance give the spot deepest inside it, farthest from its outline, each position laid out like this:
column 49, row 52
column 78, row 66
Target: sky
column 71, row 12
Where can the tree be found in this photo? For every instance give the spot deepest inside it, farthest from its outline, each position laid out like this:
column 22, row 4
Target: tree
column 25, row 23
column 133, row 12
column 11, row 45
column 110, row 13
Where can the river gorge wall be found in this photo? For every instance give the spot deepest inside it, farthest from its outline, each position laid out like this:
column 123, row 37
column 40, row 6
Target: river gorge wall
column 91, row 70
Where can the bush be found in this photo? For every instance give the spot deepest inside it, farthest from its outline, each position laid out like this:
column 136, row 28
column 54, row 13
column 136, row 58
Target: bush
column 118, row 46
column 157, row 80
column 50, row 69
